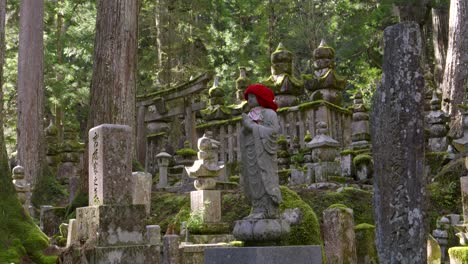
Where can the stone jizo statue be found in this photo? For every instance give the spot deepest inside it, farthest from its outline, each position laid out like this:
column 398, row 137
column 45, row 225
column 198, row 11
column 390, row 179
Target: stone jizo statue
column 258, row 146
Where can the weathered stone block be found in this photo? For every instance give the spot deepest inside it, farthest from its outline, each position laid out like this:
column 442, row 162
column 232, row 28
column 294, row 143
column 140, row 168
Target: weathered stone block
column 208, row 204
column 397, row 123
column 153, row 234
column 171, row 252
column 338, row 235
column 72, row 234
column 111, row 225
column 270, row 255
column 110, row 165
column 142, row 182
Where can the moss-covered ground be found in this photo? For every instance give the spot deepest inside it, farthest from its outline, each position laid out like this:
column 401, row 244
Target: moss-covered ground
column 21, row 240
column 358, row 200
column 171, row 208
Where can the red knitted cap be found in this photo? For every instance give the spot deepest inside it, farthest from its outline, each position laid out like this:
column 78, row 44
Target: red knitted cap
column 265, row 95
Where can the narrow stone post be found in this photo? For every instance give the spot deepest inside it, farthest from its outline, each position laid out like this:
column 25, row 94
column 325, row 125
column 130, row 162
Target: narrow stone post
column 397, row 123
column 338, row 235
column 163, row 159
column 141, row 193
column 171, row 254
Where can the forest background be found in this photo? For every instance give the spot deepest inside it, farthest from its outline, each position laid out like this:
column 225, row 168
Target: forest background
column 180, row 39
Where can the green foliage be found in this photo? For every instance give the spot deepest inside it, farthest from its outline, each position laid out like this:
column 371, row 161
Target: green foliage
column 358, row 200
column 169, row 208
column 444, row 192
column 48, row 190
column 136, row 165
column 458, row 254
column 21, row 237
column 186, row 152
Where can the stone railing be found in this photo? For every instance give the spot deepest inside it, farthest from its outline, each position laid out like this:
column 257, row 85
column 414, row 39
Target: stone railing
column 294, row 122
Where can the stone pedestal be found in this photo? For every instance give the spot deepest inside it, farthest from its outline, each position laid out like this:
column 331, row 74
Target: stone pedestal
column 208, row 204
column 270, row 255
column 320, row 171
column 261, row 231
column 109, row 225
column 142, row 182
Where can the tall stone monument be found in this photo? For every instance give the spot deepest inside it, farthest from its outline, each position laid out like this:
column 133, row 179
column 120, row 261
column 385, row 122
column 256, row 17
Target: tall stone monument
column 111, row 225
column 398, row 149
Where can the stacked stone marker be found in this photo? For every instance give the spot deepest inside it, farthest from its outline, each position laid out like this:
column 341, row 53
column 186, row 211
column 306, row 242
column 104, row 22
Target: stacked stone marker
column 398, row 149
column 111, row 223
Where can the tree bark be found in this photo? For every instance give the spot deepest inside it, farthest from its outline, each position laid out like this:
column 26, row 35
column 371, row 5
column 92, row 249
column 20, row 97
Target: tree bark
column 440, row 29
column 163, row 38
column 31, row 148
column 113, row 85
column 455, row 80
column 6, row 185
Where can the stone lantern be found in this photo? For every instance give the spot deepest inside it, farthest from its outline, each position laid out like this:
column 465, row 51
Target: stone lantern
column 206, row 169
column 163, row 160
column 324, row 151
column 206, row 201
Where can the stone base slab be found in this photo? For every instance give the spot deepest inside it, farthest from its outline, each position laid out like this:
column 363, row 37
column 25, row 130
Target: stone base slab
column 270, row 255
column 136, row 254
column 111, row 225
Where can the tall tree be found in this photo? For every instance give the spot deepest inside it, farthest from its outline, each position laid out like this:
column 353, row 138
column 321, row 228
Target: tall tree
column 31, row 150
column 113, row 85
column 456, row 67
column 440, row 18
column 114, row 70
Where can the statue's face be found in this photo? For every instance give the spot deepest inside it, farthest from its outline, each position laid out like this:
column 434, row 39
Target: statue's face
column 252, row 100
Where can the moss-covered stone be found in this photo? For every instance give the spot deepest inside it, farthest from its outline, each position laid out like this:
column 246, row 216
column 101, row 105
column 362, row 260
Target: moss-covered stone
column 338, row 206
column 362, row 159
column 458, row 255
column 308, row 232
column 20, row 237
column 186, row 152
column 358, row 200
column 365, row 243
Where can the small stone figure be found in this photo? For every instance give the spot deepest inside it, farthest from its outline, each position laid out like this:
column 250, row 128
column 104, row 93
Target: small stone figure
column 259, row 146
